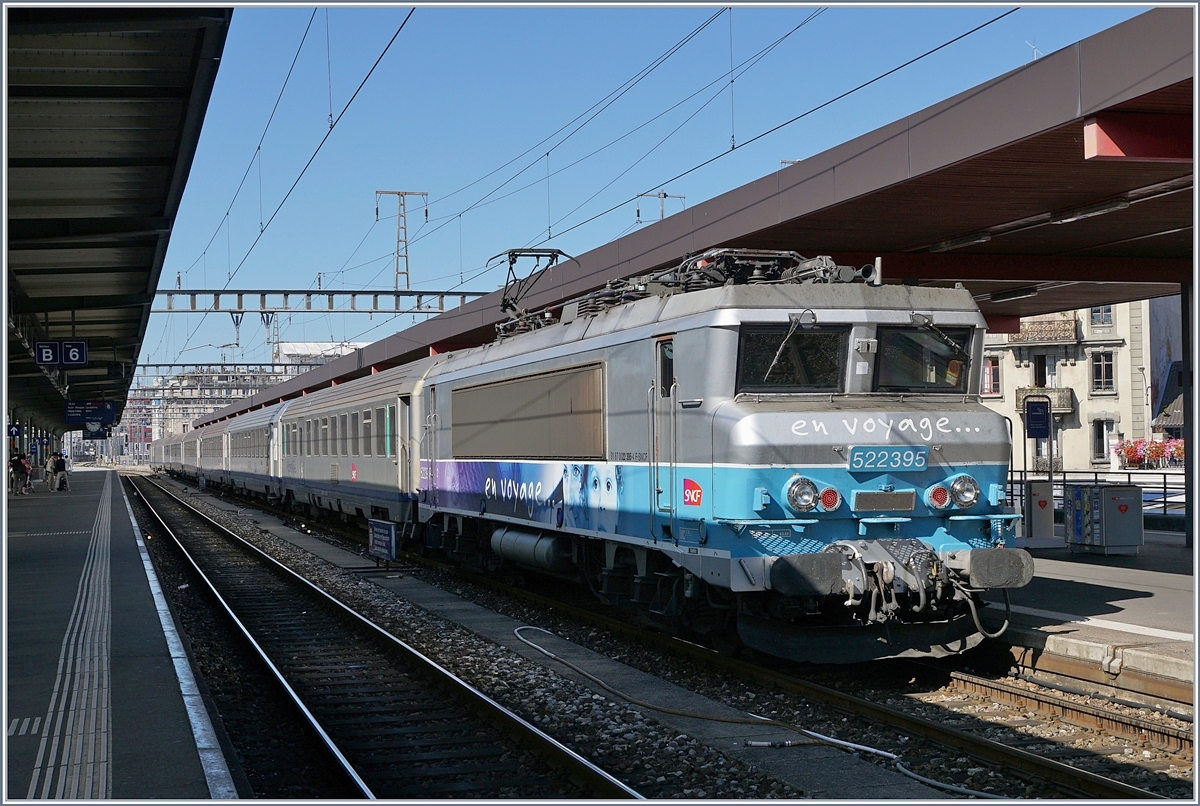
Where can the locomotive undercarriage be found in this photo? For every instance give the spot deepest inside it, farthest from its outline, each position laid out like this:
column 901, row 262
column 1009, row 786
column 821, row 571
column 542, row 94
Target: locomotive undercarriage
column 855, row 602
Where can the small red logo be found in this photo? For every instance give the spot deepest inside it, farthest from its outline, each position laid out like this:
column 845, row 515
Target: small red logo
column 1042, row 503
column 692, row 493
column 353, row 472
column 1123, row 508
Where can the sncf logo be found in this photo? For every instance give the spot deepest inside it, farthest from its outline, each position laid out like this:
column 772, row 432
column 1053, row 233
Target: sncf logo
column 692, row 493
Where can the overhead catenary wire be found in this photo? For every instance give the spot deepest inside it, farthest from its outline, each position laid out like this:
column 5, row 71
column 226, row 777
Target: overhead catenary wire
column 253, row 157
column 795, row 119
column 304, row 170
column 761, row 135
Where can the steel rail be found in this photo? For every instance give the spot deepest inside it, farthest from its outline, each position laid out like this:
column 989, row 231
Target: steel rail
column 279, row 677
column 1163, row 737
column 579, row 770
column 1086, row 783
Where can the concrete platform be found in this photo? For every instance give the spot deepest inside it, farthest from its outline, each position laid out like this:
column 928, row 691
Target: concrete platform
column 99, row 697
column 1118, row 622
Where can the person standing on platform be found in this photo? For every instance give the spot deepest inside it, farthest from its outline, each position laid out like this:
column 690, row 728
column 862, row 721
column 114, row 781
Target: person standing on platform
column 14, row 473
column 23, row 471
column 60, row 472
column 49, row 470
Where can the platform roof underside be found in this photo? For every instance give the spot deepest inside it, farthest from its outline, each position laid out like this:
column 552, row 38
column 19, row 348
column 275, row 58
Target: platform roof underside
column 105, row 107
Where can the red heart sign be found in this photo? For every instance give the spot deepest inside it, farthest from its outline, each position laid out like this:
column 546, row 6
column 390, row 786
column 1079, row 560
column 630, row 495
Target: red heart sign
column 1042, row 503
column 1123, row 508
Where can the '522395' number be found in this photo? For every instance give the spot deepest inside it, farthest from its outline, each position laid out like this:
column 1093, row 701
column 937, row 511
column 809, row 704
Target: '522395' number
column 886, row 457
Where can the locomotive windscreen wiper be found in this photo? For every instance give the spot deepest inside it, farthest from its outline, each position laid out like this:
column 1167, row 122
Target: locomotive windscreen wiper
column 926, row 323
column 806, row 318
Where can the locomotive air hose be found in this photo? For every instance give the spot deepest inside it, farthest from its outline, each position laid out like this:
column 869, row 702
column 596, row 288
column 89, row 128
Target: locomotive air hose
column 812, row 736
column 975, row 614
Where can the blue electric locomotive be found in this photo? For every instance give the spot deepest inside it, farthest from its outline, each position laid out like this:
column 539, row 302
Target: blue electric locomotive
column 751, row 446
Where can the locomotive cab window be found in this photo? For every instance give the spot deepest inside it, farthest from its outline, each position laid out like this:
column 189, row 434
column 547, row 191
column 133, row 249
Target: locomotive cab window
column 782, row 358
column 922, row 360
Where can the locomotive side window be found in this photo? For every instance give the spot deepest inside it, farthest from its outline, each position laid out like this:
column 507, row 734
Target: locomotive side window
column 551, row 415
column 666, row 367
column 354, row 434
column 780, row 358
column 917, row 360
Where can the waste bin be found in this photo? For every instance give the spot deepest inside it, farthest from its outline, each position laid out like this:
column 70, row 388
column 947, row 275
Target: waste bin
column 1038, row 517
column 1103, row 518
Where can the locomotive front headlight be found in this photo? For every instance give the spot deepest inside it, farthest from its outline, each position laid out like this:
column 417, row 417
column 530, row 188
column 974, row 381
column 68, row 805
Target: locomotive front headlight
column 965, row 492
column 801, row 494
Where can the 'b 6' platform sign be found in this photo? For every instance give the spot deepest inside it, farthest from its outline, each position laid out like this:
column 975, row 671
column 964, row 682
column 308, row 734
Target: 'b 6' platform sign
column 66, row 353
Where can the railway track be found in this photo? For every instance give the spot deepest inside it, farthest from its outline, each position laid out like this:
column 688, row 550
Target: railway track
column 1004, row 749
column 960, row 733
column 397, row 724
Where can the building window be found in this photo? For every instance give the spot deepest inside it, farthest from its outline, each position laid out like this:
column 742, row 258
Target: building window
column 1100, row 431
column 1102, row 373
column 1045, row 371
column 1101, row 315
column 990, row 382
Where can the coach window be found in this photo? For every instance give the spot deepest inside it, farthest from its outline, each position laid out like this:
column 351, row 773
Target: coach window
column 342, row 450
column 309, row 438
column 324, row 436
column 354, row 434
column 380, row 436
column 366, row 433
column 333, row 436
column 391, row 431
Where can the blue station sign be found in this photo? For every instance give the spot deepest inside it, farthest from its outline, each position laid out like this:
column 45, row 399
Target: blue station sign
column 1037, row 419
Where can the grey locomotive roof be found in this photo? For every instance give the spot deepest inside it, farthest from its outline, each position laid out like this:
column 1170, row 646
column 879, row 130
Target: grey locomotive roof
column 841, row 302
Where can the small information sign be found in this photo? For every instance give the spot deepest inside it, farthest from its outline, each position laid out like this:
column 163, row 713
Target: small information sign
column 381, row 539
column 75, row 353
column 47, row 353
column 1037, row 419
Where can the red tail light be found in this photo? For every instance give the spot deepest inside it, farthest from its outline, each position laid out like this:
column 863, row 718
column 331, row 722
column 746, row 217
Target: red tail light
column 939, row 497
column 831, row 499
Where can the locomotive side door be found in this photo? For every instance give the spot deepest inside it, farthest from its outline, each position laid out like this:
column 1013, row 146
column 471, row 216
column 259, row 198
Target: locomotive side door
column 663, row 391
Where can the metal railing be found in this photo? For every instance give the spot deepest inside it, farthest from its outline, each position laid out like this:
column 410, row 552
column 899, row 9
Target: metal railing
column 1163, row 492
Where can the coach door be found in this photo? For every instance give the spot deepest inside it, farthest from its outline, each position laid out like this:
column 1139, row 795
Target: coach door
column 429, row 455
column 663, row 391
column 403, row 443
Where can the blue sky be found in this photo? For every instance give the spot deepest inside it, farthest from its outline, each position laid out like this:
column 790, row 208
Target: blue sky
column 463, row 92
